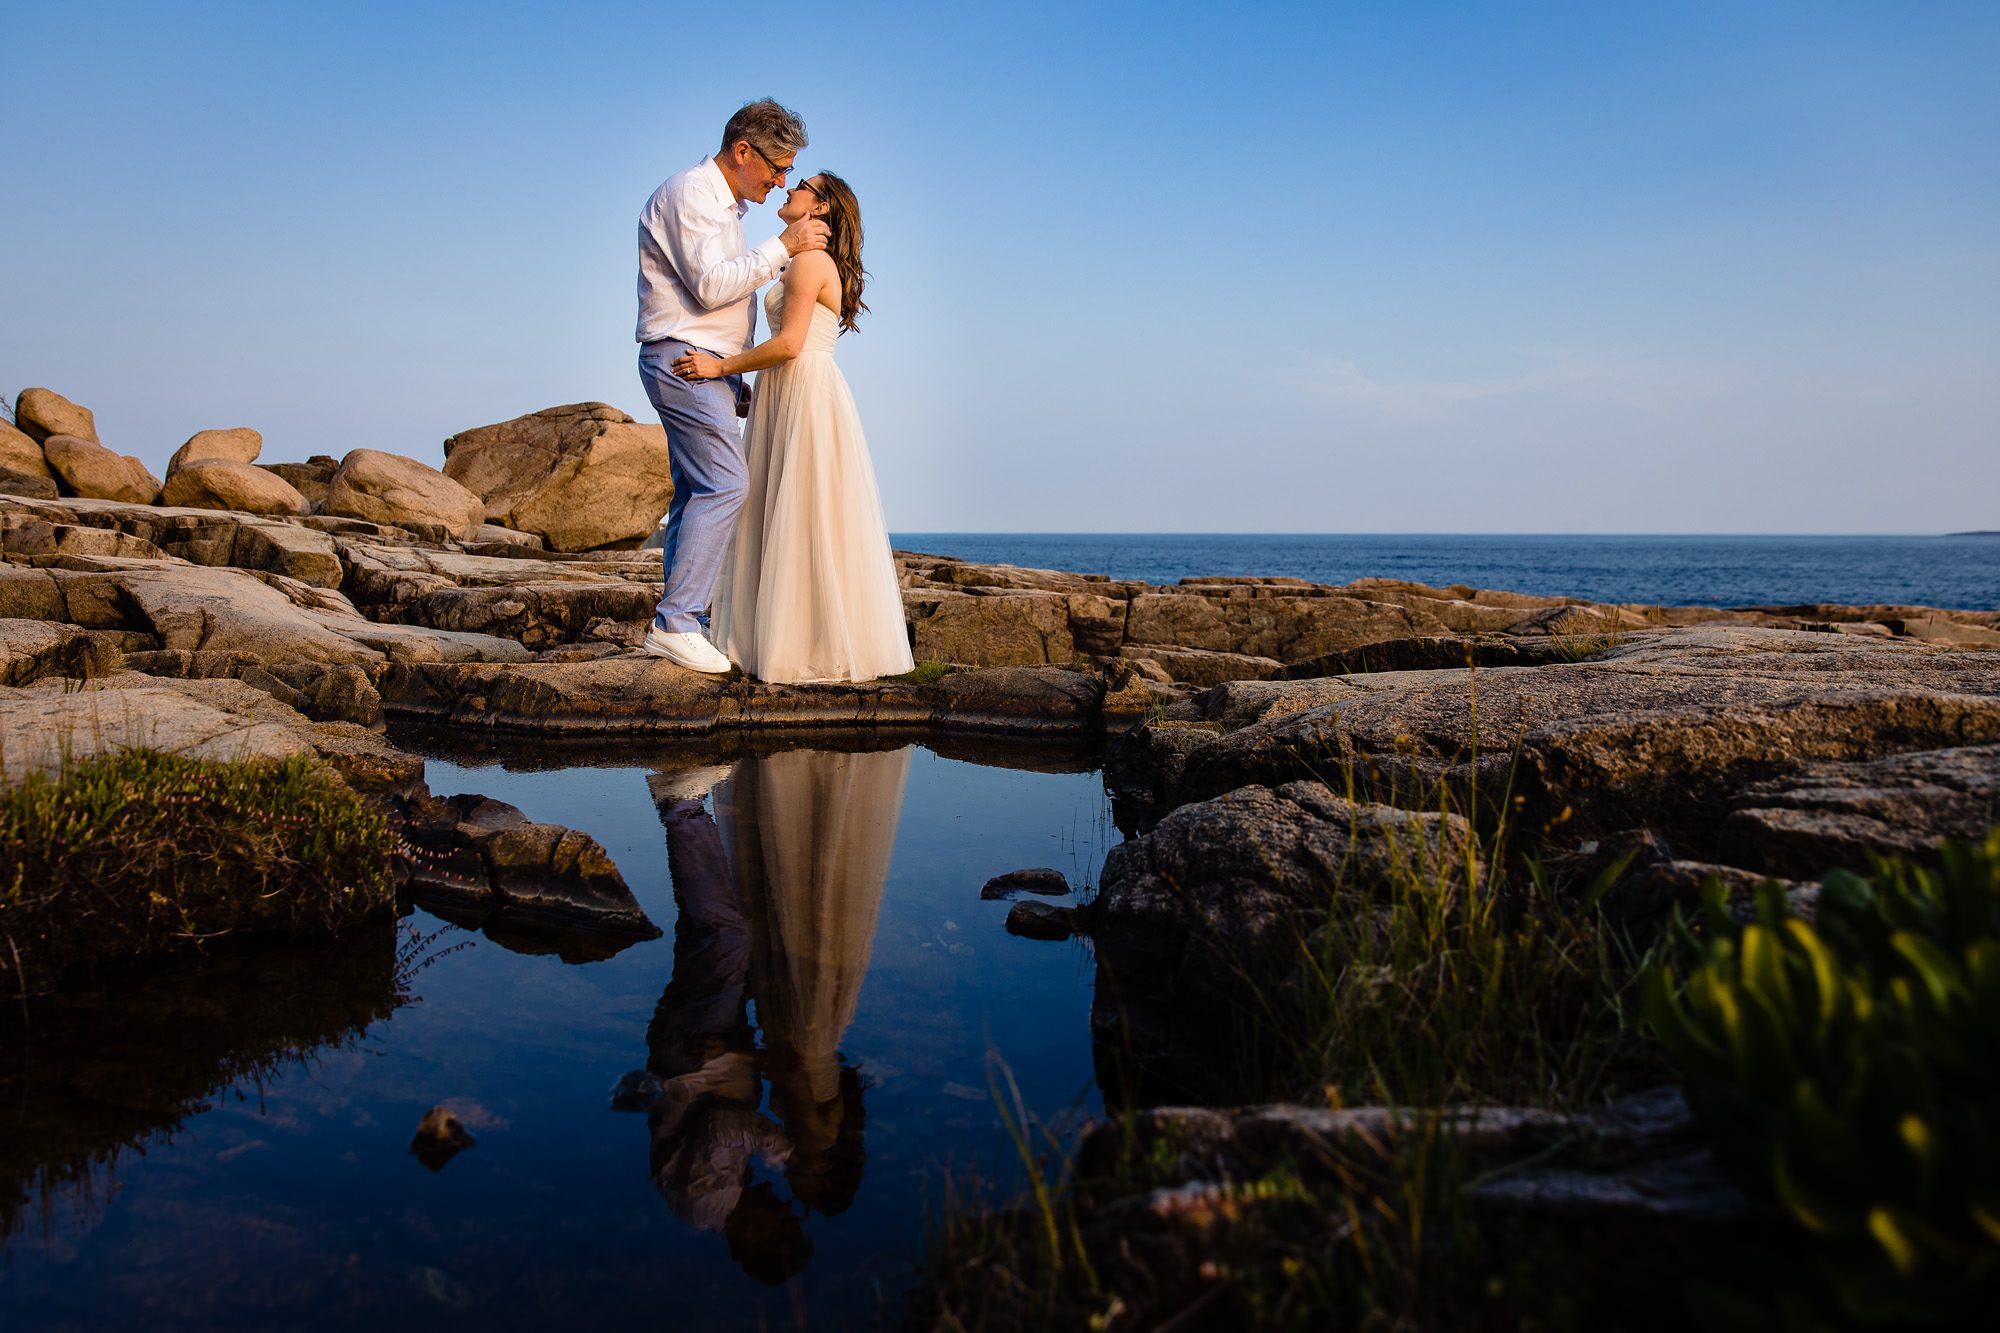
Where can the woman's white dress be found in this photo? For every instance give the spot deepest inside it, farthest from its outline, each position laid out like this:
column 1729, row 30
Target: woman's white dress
column 808, row 589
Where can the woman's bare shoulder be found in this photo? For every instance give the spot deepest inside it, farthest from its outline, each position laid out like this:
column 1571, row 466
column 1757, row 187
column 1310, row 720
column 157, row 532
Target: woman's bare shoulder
column 812, row 265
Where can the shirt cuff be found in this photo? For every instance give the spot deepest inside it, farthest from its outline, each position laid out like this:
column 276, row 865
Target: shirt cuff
column 773, row 251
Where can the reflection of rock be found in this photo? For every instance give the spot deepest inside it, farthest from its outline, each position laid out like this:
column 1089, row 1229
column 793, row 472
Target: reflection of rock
column 439, row 1138
column 1041, row 921
column 533, row 888
column 125, row 1057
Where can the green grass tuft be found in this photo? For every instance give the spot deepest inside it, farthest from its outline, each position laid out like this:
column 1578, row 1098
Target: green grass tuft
column 926, row 672
column 144, row 852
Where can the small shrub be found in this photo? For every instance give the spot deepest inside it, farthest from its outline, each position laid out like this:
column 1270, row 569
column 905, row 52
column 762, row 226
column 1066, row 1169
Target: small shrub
column 1850, row 1073
column 1577, row 634
column 142, row 851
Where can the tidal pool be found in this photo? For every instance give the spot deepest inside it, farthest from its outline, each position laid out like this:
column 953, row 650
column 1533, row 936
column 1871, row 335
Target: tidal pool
column 818, row 1024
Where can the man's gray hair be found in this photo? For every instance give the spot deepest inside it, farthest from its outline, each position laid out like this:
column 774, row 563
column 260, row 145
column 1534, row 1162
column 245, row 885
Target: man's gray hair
column 767, row 127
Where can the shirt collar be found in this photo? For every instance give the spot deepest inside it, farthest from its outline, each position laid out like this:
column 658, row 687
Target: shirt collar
column 721, row 184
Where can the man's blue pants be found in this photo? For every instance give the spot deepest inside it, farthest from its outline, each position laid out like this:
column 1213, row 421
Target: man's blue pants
column 705, row 453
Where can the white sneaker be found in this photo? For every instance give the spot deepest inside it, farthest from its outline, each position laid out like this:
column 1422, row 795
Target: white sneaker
column 687, row 784
column 685, row 648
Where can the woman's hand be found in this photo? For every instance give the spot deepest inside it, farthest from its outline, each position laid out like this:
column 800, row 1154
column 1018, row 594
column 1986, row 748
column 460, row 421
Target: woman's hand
column 698, row 366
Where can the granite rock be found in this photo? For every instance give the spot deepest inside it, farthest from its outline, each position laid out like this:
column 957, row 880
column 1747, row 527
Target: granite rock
column 579, row 477
column 88, row 469
column 214, row 483
column 41, row 413
column 390, row 489
column 238, row 444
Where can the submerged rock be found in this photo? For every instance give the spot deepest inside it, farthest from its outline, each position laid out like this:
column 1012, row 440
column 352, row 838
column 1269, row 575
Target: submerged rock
column 439, row 1138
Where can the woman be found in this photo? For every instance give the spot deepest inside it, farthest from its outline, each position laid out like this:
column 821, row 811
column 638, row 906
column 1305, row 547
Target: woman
column 808, row 589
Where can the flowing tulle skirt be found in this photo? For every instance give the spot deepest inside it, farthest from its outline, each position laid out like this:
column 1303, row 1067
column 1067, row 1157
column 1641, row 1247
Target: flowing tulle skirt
column 808, row 590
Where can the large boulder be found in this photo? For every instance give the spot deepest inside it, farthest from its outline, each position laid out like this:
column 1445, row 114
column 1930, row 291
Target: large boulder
column 239, row 444
column 580, row 477
column 218, row 483
column 89, row 469
column 310, row 478
column 1226, row 891
column 44, row 412
column 21, row 452
column 388, row 488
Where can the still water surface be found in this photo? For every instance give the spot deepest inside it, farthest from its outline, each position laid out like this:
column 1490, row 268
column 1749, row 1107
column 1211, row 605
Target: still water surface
column 820, row 1012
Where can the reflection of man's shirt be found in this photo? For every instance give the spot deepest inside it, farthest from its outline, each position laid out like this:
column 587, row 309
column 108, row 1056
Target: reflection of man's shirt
column 706, row 1130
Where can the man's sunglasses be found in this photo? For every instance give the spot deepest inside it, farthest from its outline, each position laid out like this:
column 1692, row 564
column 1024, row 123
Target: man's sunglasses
column 782, row 171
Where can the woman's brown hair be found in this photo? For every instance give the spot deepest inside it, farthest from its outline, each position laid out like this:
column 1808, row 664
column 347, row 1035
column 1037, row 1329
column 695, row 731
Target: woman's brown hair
column 843, row 220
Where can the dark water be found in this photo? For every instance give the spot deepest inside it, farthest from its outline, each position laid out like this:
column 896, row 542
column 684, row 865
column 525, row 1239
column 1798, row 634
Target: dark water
column 820, row 1011
column 1958, row 572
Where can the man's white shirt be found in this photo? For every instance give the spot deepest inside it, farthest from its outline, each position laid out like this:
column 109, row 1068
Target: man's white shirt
column 696, row 277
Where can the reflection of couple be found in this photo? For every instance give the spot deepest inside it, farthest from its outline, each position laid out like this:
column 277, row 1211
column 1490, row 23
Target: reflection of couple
column 783, row 918
column 784, row 515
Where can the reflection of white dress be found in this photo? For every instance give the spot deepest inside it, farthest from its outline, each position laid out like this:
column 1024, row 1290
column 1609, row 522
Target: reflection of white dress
column 810, row 836
column 808, row 591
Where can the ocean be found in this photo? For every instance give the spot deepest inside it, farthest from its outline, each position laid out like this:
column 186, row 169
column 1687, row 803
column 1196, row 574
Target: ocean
column 1955, row 572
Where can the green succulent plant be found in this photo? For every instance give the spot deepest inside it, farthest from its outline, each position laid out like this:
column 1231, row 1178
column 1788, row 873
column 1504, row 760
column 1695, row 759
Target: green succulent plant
column 1848, row 1071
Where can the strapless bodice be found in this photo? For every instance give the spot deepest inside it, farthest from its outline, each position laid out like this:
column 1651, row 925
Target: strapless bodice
column 825, row 330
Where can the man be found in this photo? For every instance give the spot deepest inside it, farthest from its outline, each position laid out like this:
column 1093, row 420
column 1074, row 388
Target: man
column 697, row 280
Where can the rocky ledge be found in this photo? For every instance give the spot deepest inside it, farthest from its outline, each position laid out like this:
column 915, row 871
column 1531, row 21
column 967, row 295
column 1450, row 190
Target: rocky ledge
column 1667, row 758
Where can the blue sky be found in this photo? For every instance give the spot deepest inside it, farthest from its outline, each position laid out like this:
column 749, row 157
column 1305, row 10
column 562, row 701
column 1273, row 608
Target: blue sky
column 1387, row 267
